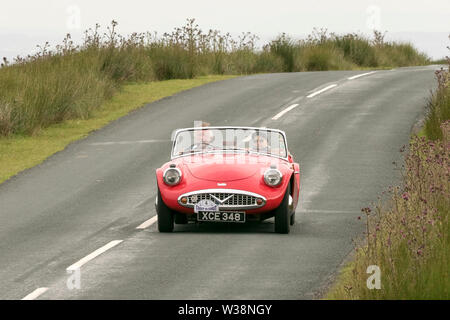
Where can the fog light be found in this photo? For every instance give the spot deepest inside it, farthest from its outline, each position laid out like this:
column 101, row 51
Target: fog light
column 259, row 201
column 183, row 200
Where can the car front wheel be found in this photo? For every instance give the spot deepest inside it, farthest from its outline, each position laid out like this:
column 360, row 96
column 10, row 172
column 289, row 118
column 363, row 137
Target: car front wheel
column 282, row 214
column 165, row 215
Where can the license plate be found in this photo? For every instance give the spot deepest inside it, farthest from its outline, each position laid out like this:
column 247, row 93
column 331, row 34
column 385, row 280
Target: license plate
column 221, row 216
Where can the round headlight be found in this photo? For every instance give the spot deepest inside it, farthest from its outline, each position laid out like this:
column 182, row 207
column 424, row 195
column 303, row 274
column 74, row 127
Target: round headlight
column 172, row 176
column 272, row 177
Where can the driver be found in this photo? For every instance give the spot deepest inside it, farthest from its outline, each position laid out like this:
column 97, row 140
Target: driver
column 203, row 138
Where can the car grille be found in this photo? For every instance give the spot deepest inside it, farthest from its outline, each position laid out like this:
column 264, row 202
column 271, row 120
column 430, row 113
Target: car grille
column 225, row 200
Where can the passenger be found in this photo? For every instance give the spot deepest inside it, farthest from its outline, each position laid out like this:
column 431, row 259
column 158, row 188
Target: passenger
column 260, row 142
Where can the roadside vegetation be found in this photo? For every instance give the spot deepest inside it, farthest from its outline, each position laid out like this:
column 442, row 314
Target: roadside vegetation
column 408, row 235
column 19, row 151
column 72, row 81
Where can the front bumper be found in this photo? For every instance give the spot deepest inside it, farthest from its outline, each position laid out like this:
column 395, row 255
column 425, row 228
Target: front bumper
column 226, row 199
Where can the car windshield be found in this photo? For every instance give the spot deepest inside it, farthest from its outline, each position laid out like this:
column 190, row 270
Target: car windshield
column 230, row 140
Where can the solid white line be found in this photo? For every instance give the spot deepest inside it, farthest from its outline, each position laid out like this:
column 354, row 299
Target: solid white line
column 279, row 115
column 361, row 75
column 77, row 265
column 148, row 223
column 36, row 293
column 321, row 90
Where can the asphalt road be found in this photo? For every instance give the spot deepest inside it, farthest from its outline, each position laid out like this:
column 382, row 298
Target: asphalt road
column 101, row 188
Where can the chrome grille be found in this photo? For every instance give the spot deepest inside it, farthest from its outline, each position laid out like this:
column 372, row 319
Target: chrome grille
column 225, row 200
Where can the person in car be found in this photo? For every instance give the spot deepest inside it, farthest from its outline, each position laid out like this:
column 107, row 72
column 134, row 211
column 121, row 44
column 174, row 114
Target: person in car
column 203, row 139
column 260, row 142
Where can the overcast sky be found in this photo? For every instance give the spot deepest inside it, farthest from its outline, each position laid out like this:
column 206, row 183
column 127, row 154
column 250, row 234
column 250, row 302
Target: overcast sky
column 25, row 23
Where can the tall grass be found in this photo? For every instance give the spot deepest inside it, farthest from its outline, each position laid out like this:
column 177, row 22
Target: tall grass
column 408, row 236
column 439, row 106
column 71, row 80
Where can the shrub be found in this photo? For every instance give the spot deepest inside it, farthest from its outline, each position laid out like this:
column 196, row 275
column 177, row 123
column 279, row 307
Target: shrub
column 72, row 81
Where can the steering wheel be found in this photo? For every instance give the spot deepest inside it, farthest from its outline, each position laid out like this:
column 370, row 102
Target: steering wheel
column 199, row 144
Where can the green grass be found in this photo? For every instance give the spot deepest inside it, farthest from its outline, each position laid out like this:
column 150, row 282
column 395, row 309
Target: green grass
column 19, row 152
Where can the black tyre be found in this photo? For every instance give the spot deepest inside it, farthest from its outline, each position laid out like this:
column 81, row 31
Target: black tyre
column 282, row 214
column 165, row 215
column 292, row 220
column 181, row 218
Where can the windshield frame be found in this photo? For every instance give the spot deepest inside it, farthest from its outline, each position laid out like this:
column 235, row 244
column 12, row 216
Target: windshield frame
column 178, row 131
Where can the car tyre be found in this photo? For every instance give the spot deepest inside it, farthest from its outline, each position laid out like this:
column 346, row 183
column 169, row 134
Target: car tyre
column 292, row 220
column 181, row 218
column 165, row 215
column 282, row 214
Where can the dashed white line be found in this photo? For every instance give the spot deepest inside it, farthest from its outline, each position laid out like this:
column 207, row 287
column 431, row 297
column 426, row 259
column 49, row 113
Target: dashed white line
column 321, row 90
column 280, row 114
column 361, row 75
column 36, row 293
column 77, row 265
column 148, row 223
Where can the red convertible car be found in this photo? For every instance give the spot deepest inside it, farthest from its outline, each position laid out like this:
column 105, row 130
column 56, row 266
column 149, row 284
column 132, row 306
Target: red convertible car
column 228, row 174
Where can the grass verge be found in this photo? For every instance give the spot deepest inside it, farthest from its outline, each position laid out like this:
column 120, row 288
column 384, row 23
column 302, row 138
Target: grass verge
column 20, row 152
column 408, row 236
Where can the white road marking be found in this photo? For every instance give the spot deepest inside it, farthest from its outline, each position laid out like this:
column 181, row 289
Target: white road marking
column 279, row 115
column 36, row 293
column 77, row 265
column 321, row 90
column 148, row 223
column 125, row 142
column 361, row 75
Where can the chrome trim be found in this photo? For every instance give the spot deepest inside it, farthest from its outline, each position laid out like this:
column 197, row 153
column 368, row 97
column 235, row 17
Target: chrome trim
column 228, row 191
column 291, row 204
column 223, row 151
column 164, row 176
column 176, row 132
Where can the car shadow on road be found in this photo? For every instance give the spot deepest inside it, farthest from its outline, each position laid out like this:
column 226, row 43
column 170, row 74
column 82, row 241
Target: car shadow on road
column 214, row 227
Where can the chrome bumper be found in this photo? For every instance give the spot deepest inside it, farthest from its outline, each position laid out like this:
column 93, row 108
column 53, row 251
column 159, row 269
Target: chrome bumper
column 226, row 199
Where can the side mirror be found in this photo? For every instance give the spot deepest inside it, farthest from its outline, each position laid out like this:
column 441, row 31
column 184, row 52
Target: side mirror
column 291, row 160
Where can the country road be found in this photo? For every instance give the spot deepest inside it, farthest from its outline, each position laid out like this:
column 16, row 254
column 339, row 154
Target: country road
column 345, row 131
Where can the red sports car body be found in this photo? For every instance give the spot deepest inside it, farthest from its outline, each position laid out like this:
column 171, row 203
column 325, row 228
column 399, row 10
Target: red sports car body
column 228, row 174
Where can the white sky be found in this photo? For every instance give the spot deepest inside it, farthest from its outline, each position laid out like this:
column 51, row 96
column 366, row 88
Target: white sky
column 25, row 23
